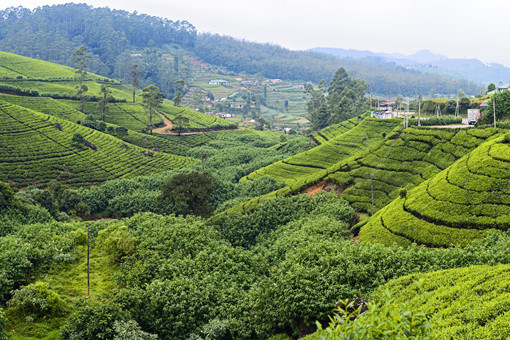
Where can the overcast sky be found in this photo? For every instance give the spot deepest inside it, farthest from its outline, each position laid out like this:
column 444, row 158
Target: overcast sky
column 454, row 28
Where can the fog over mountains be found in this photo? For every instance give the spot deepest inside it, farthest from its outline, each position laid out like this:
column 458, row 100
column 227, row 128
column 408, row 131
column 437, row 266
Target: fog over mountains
column 429, row 62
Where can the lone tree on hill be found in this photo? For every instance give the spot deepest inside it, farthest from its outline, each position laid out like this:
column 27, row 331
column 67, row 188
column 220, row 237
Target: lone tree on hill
column 106, row 97
column 80, row 59
column 152, row 98
column 135, row 74
column 193, row 189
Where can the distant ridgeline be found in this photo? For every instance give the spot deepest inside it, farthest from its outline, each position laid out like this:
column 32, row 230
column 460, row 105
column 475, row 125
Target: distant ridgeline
column 119, row 38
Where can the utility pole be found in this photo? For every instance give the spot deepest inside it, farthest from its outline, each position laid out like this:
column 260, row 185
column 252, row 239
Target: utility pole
column 419, row 109
column 88, row 259
column 372, row 188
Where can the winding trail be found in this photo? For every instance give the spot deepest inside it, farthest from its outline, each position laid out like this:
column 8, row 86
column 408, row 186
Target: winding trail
column 166, row 129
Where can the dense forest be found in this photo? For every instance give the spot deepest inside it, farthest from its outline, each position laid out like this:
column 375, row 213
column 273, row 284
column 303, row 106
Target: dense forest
column 118, row 39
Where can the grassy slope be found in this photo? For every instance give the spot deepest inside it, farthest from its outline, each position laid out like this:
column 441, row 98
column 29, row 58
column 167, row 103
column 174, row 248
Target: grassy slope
column 58, row 79
column 13, row 65
column 34, row 152
column 452, row 208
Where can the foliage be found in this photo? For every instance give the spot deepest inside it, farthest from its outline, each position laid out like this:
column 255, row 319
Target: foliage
column 29, row 249
column 346, row 97
column 94, row 320
column 117, row 242
column 193, row 189
column 4, row 335
column 152, row 99
column 502, row 105
column 128, row 330
column 470, row 302
column 386, row 320
column 6, row 195
column 247, row 230
column 443, row 120
column 37, row 300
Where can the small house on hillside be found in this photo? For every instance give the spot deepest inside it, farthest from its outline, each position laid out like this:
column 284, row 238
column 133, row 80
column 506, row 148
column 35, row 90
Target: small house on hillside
column 237, row 105
column 381, row 114
column 218, row 82
column 500, row 88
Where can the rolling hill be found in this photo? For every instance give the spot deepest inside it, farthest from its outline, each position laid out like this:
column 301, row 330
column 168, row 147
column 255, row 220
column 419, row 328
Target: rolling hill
column 454, row 207
column 37, row 148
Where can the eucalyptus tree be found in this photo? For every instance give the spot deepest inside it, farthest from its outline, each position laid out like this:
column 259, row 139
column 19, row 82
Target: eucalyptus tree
column 152, row 98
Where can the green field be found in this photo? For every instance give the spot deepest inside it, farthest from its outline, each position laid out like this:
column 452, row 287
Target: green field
column 34, row 152
column 13, row 65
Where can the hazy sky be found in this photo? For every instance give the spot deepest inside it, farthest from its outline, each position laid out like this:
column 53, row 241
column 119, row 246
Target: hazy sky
column 454, row 28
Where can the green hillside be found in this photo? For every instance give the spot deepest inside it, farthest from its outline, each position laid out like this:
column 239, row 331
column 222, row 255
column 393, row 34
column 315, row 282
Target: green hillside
column 34, row 152
column 14, row 66
column 403, row 161
column 463, row 303
column 455, row 206
column 49, row 106
column 361, row 137
column 56, row 81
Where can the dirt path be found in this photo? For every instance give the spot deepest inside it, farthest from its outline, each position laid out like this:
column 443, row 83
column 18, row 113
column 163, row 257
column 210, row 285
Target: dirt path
column 165, row 129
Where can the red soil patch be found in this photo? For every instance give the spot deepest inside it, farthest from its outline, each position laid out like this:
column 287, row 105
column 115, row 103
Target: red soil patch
column 314, row 189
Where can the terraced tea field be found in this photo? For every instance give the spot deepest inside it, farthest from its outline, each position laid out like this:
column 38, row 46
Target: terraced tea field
column 452, row 208
column 361, row 137
column 46, row 105
column 403, row 161
column 13, row 66
column 34, row 151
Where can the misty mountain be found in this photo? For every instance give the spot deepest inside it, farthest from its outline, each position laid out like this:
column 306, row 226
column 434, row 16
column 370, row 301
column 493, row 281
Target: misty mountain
column 428, row 62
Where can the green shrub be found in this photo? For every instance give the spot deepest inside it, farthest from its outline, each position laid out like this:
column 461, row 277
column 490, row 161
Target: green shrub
column 6, row 195
column 94, row 320
column 386, row 320
column 4, row 335
column 117, row 242
column 37, row 300
column 129, row 330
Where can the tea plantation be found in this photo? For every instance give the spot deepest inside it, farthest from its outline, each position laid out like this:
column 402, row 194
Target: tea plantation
column 452, row 208
column 462, row 303
column 36, row 150
column 403, row 161
column 362, row 136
